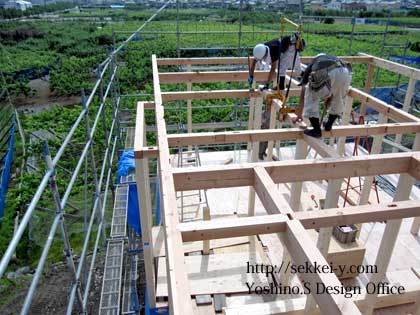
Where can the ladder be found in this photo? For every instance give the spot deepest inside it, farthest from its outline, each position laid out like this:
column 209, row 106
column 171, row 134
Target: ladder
column 190, row 159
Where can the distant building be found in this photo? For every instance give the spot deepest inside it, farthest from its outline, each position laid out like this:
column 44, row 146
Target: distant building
column 382, row 5
column 317, row 5
column 18, row 5
column 353, row 6
column 334, row 5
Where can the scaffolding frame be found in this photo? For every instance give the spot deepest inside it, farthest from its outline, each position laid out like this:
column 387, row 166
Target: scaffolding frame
column 107, row 92
column 262, row 178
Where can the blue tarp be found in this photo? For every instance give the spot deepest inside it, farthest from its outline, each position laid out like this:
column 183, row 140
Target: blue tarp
column 126, row 165
column 406, row 60
column 154, row 311
column 5, row 176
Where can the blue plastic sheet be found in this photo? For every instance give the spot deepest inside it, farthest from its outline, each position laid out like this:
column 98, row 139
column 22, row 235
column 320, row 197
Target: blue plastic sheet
column 406, row 59
column 133, row 209
column 154, row 311
column 5, row 176
column 126, row 163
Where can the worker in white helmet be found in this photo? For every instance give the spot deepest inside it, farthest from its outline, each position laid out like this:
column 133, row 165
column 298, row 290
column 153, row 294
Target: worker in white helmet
column 267, row 56
column 326, row 78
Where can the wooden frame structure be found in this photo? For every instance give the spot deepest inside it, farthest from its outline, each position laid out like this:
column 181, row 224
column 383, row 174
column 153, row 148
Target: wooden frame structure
column 262, row 178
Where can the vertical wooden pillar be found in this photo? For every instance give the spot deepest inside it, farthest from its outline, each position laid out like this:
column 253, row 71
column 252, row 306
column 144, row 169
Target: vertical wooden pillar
column 375, row 149
column 341, row 145
column 206, row 243
column 144, row 196
column 369, row 76
column 368, row 180
column 189, row 108
column 272, row 126
column 324, row 235
column 416, row 226
column 296, row 188
column 253, row 156
column 389, row 238
column 406, row 107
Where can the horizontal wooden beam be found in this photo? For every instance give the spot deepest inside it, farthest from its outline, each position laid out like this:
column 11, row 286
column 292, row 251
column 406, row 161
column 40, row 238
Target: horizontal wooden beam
column 146, row 152
column 276, row 223
column 381, row 106
column 240, row 60
column 229, row 137
column 212, row 76
column 206, row 95
column 222, row 176
column 232, row 227
column 395, row 67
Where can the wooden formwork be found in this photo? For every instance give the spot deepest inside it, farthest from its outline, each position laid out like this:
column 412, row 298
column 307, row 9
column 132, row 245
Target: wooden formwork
column 283, row 217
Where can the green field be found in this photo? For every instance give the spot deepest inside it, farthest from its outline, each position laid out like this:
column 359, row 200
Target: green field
column 73, row 49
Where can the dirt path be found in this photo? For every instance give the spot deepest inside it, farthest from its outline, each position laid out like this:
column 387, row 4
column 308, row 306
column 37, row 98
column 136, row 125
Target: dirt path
column 52, row 293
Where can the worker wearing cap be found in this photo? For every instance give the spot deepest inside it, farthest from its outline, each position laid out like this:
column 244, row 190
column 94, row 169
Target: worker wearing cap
column 326, row 78
column 267, row 55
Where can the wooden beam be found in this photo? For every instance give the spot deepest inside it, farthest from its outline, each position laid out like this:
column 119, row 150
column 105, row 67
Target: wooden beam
column 178, row 286
column 212, row 76
column 394, row 67
column 276, row 223
column 351, row 59
column 221, row 176
column 303, row 252
column 321, row 147
column 206, row 95
column 146, row 152
column 232, row 227
column 381, row 106
column 228, row 137
column 240, row 60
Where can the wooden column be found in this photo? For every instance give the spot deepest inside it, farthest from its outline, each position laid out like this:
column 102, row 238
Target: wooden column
column 251, row 117
column 253, row 156
column 189, row 108
column 369, row 76
column 324, row 234
column 389, row 238
column 375, row 149
column 341, row 145
column 406, row 107
column 296, row 188
column 272, row 126
column 143, row 193
column 206, row 244
column 416, row 226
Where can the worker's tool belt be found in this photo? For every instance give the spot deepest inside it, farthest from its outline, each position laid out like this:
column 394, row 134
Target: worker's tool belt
column 320, row 78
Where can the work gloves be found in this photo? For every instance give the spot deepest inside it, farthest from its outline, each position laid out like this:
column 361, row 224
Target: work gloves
column 250, row 80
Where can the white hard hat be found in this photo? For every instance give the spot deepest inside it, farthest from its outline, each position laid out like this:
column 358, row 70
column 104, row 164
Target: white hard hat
column 259, row 51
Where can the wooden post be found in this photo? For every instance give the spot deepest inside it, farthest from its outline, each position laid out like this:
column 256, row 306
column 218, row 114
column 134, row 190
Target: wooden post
column 251, row 117
column 368, row 180
column 389, row 238
column 296, row 188
column 406, row 107
column 416, row 226
column 143, row 193
column 369, row 76
column 272, row 126
column 375, row 149
column 341, row 145
column 324, row 234
column 253, row 157
column 206, row 244
column 189, row 108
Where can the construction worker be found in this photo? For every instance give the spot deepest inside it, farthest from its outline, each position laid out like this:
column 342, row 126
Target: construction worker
column 267, row 56
column 328, row 78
